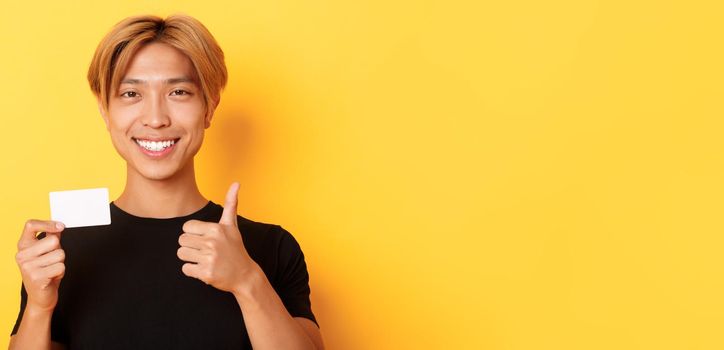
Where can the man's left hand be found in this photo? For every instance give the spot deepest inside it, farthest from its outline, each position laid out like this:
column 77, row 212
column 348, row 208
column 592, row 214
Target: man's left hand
column 215, row 252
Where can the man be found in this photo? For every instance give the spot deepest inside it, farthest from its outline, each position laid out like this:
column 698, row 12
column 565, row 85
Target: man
column 173, row 270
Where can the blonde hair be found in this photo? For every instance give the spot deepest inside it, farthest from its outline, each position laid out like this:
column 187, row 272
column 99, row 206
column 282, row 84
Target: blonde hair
column 185, row 33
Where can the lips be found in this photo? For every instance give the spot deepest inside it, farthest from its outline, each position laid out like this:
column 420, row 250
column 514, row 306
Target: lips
column 157, row 146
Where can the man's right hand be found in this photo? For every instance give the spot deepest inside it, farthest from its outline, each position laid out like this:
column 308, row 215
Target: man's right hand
column 41, row 262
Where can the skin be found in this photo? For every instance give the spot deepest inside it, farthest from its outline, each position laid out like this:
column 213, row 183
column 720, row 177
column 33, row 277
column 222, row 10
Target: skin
column 159, row 98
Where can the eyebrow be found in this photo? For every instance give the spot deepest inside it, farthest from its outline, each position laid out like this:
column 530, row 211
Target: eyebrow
column 183, row 79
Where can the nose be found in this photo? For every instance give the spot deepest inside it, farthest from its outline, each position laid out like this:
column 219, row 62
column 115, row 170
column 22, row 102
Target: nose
column 155, row 113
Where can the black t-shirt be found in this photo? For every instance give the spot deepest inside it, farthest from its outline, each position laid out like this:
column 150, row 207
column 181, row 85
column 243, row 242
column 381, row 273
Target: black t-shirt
column 123, row 287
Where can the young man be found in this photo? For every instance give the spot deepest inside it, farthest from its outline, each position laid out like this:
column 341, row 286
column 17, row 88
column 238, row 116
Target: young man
column 173, row 270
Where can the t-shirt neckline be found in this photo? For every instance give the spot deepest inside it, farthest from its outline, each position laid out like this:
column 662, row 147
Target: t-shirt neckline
column 199, row 214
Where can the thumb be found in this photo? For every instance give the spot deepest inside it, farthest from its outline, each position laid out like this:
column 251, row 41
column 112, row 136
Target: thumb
column 228, row 217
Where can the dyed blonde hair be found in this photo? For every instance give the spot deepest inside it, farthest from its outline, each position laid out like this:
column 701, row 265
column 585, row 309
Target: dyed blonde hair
column 185, row 33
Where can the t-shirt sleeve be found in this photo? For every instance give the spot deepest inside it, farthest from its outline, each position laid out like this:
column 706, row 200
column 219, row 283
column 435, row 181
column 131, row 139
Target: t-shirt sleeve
column 23, row 302
column 292, row 282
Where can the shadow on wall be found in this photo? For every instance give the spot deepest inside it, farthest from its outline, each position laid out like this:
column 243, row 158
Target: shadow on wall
column 238, row 147
column 229, row 146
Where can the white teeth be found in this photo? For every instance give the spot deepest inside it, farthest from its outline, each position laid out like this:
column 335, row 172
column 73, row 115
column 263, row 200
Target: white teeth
column 155, row 146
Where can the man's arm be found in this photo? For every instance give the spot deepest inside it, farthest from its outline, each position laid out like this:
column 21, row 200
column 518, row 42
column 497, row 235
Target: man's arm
column 312, row 331
column 267, row 321
column 215, row 254
column 34, row 331
column 41, row 263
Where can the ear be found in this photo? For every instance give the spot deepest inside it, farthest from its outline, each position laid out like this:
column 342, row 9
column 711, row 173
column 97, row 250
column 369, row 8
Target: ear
column 210, row 113
column 103, row 113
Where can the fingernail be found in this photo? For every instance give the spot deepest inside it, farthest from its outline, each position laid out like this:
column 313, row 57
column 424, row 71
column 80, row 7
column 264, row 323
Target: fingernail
column 59, row 225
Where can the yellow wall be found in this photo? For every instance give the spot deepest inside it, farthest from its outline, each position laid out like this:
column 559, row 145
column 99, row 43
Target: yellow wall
column 461, row 175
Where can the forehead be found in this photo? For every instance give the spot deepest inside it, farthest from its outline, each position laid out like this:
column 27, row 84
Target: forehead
column 159, row 61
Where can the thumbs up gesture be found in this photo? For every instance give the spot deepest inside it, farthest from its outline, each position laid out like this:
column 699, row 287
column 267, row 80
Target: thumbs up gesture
column 215, row 252
column 41, row 263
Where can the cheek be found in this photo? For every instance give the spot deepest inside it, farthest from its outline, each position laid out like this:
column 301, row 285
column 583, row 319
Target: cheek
column 190, row 117
column 121, row 118
column 119, row 125
column 188, row 108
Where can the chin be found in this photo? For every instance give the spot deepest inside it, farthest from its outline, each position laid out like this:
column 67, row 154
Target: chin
column 156, row 172
column 157, row 175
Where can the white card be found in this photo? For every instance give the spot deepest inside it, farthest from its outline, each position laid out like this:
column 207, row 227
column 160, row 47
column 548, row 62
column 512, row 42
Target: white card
column 81, row 208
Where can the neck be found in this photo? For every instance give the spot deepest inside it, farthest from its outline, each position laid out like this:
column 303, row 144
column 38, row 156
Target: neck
column 176, row 196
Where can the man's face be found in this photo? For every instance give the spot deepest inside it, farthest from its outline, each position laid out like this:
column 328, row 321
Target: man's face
column 156, row 118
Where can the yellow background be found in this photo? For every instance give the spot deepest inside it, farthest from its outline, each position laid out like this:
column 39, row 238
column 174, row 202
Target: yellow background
column 460, row 175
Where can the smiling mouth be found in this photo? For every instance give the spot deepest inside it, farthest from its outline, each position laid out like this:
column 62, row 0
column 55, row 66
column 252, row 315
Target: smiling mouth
column 155, row 145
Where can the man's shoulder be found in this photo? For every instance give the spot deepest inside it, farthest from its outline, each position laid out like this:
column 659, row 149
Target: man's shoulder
column 255, row 226
column 259, row 229
column 265, row 236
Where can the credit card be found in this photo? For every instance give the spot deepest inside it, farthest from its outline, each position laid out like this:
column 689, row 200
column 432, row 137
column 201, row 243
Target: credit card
column 81, row 208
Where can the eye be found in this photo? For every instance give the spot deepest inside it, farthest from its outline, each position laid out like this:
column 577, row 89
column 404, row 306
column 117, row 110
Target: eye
column 129, row 94
column 179, row 92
